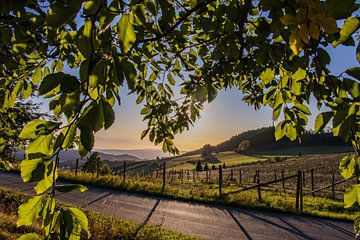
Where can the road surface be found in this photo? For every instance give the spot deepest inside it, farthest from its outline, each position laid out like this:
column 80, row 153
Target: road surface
column 205, row 221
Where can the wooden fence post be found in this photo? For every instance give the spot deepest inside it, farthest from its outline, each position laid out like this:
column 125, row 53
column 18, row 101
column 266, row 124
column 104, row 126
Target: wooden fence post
column 231, row 175
column 220, row 181
column 275, row 177
column 194, row 175
column 97, row 167
column 283, row 180
column 240, row 175
column 298, row 189
column 333, row 186
column 157, row 173
column 301, row 194
column 164, row 177
column 303, row 178
column 124, row 171
column 76, row 166
column 312, row 181
column 259, row 187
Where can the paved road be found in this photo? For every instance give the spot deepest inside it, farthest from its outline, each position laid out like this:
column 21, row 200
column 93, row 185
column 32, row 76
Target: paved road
column 206, row 221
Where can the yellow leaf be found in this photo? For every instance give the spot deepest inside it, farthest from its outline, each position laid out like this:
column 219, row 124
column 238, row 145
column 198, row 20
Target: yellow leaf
column 295, row 43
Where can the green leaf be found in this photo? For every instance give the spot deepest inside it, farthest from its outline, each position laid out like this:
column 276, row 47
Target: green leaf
column 69, row 134
column 37, row 76
column 358, row 53
column 91, row 7
column 279, row 131
column 50, row 82
column 81, row 219
column 268, row 75
column 302, row 108
column 29, row 211
column 130, row 73
column 71, row 187
column 354, row 72
column 322, row 120
column 350, row 26
column 126, row 32
column 93, row 117
column 40, row 145
column 201, row 93
column 48, row 177
column 109, row 115
column 29, row 131
column 145, row 111
column 48, row 216
column 347, row 166
column 28, row 236
column 339, row 11
column 35, row 128
column 299, row 74
column 291, row 132
column 86, row 138
column 171, row 79
column 32, row 169
column 353, row 87
column 351, row 195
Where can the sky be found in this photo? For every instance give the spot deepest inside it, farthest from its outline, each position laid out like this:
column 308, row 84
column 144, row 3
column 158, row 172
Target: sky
column 223, row 118
column 226, row 116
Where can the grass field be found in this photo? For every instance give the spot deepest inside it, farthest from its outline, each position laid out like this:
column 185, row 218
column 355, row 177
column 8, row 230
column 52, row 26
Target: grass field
column 232, row 159
column 101, row 226
column 308, row 150
column 195, row 187
column 229, row 158
column 207, row 192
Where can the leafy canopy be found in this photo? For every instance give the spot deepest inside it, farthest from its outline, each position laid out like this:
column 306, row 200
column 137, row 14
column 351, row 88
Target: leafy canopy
column 174, row 56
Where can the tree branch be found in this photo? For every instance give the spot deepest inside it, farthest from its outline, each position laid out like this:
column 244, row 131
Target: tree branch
column 178, row 22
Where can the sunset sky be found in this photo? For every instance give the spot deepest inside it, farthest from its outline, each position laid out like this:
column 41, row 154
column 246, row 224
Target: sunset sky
column 226, row 116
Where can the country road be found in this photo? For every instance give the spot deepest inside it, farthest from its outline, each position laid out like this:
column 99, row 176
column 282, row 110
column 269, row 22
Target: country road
column 206, row 221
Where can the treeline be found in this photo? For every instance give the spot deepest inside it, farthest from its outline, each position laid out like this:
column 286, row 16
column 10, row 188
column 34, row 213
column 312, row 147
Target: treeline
column 263, row 139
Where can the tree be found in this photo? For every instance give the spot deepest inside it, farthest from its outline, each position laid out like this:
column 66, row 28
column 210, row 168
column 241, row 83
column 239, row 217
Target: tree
column 243, row 146
column 274, row 52
column 12, row 120
column 92, row 163
column 206, row 150
column 206, row 167
column 198, row 167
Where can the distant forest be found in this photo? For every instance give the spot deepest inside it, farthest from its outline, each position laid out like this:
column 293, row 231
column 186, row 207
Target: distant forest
column 263, row 139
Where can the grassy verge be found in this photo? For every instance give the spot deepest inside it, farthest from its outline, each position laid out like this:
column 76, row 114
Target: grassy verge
column 208, row 193
column 101, row 227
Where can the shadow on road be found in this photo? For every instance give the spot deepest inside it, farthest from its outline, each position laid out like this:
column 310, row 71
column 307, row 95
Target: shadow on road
column 95, row 200
column 246, row 233
column 146, row 219
column 336, row 227
column 289, row 230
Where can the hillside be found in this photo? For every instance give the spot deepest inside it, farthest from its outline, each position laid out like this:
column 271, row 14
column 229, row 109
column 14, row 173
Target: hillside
column 262, row 141
column 67, row 159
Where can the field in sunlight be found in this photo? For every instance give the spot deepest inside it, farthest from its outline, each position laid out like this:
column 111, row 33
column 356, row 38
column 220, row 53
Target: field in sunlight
column 229, row 158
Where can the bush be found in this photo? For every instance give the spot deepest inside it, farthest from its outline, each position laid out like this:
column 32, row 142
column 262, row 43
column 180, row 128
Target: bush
column 199, row 167
column 206, row 167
